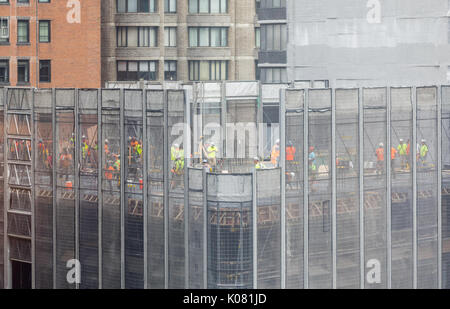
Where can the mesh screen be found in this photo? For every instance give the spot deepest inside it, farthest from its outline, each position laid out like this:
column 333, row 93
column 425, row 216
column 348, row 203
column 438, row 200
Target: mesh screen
column 65, row 181
column 427, row 272
column 176, row 151
column 445, row 194
column 196, row 243
column 88, row 195
column 294, row 188
column 375, row 180
column 268, row 192
column 347, row 186
column 133, row 164
column 111, row 222
column 230, row 235
column 320, row 268
column 43, row 182
column 155, row 180
column 401, row 128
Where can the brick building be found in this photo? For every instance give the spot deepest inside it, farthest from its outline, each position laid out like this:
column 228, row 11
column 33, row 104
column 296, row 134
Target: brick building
column 47, row 43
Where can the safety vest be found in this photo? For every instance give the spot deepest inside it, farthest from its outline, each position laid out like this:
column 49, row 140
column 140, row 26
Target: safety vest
column 275, row 154
column 139, row 149
column 117, row 164
column 106, row 149
column 402, row 148
column 108, row 174
column 212, row 151
column 312, row 161
column 393, row 153
column 423, row 151
column 380, row 154
column 84, row 149
column 290, row 153
column 259, row 165
column 173, row 153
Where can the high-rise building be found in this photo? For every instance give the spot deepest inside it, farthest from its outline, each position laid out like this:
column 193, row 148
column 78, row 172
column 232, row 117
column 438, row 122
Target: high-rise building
column 48, row 44
column 195, row 40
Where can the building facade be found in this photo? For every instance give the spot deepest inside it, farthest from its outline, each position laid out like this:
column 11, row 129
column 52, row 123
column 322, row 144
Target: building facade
column 47, row 43
column 195, row 40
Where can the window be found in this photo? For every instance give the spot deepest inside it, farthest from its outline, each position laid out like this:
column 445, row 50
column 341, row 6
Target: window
column 23, row 1
column 170, row 6
column 273, row 37
column 44, row 31
column 208, row 6
column 137, row 36
column 257, row 37
column 4, row 71
column 44, row 71
column 23, row 71
column 136, row 6
column 208, row 37
column 23, row 31
column 44, row 1
column 170, row 36
column 137, row 70
column 170, row 70
column 272, row 4
column 4, row 30
column 208, row 70
column 273, row 75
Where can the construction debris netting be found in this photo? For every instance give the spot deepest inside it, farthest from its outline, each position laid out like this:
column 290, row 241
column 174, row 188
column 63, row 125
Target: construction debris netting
column 128, row 183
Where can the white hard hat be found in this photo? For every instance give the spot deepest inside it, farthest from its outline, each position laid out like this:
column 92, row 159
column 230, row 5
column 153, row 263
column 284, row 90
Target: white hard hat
column 401, row 140
column 423, row 141
column 277, row 141
column 256, row 158
column 381, row 145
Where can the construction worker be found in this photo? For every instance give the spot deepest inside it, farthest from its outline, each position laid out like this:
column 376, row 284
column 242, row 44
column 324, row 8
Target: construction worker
column 139, row 149
column 423, row 152
column 379, row 152
column 275, row 154
column 290, row 152
column 178, row 164
column 84, row 149
column 106, row 149
column 258, row 163
column 206, row 166
column 393, row 160
column 402, row 152
column 72, row 140
column 65, row 162
column 212, row 153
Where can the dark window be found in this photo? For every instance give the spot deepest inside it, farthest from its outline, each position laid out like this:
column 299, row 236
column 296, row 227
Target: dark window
column 137, row 70
column 23, row 71
column 44, row 31
column 45, row 71
column 23, row 31
column 4, row 71
column 170, row 70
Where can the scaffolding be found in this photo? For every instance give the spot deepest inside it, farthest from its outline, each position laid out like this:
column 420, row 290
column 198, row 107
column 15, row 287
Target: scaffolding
column 127, row 182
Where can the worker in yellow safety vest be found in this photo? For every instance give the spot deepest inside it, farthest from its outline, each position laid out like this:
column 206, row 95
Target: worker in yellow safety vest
column 402, row 152
column 423, row 152
column 258, row 164
column 212, row 153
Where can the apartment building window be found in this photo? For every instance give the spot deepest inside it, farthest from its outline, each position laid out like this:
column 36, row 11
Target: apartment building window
column 170, row 6
column 4, row 71
column 23, row 1
column 170, row 70
column 170, row 36
column 208, row 37
column 273, row 37
column 23, row 71
column 44, row 1
column 208, row 6
column 257, row 37
column 273, row 4
column 137, row 70
column 45, row 71
column 136, row 6
column 44, row 31
column 208, row 70
column 4, row 30
column 274, row 75
column 137, row 36
column 23, row 31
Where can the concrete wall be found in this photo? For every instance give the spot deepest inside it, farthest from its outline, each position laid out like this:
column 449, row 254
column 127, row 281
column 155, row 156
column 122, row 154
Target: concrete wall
column 371, row 42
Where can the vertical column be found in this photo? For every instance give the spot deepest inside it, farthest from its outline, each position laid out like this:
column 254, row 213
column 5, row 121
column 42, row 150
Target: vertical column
column 145, row 205
column 389, row 171
column 33, row 196
column 77, row 176
column 306, row 191
column 439, row 187
column 187, row 146
column 122, row 188
column 54, row 144
column 205, row 230
column 166, row 191
column 283, row 183
column 333, row 190
column 414, row 183
column 361, row 185
column 101, row 159
column 255, row 230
